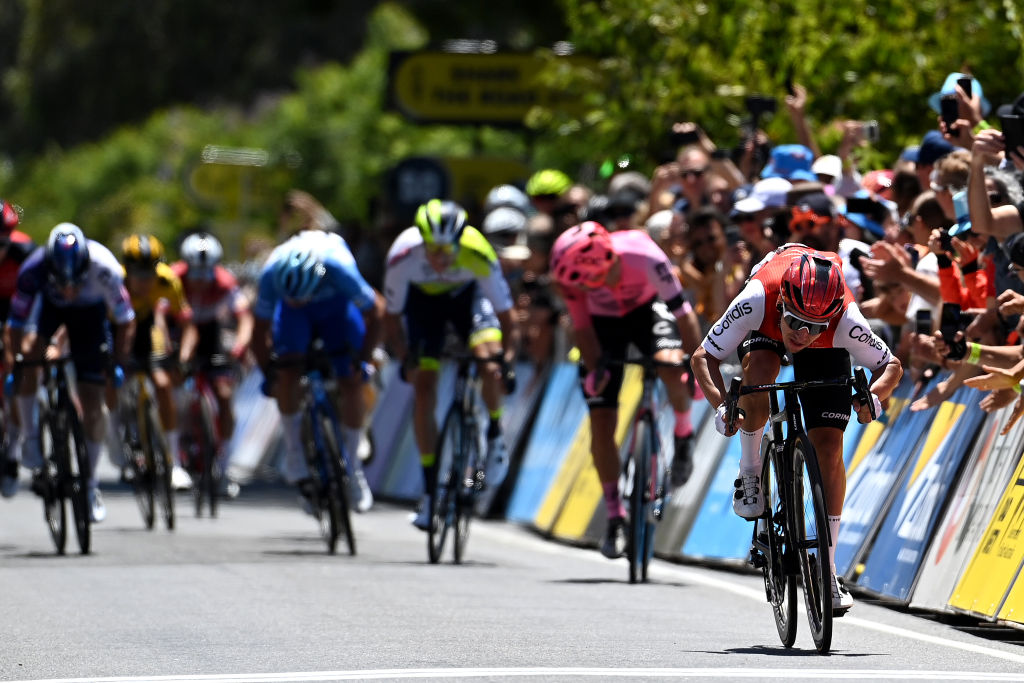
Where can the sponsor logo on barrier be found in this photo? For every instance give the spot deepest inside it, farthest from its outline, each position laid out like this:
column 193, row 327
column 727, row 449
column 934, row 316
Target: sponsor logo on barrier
column 731, row 316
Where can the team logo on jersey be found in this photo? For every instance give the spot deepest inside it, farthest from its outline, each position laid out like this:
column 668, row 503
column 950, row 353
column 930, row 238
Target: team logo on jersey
column 732, row 316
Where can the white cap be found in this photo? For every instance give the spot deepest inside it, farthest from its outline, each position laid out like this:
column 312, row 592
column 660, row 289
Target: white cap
column 658, row 224
column 828, row 164
column 767, row 193
column 504, row 219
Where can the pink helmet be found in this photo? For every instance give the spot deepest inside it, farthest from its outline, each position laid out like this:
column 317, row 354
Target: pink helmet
column 583, row 254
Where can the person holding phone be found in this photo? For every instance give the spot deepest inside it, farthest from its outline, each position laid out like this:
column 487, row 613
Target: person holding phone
column 1001, row 221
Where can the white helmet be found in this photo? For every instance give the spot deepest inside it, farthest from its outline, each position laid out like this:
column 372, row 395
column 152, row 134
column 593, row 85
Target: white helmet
column 201, row 251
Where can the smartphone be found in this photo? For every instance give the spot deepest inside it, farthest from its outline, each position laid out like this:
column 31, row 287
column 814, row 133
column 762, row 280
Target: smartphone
column 923, row 321
column 950, row 111
column 789, row 83
column 855, row 256
column 871, row 131
column 1013, row 131
column 690, row 137
column 949, row 322
column 965, row 83
column 945, row 240
column 862, row 205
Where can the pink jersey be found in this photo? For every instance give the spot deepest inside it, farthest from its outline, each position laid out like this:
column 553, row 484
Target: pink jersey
column 646, row 274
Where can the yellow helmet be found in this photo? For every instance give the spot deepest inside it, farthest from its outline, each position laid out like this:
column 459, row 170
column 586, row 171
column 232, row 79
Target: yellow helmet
column 141, row 251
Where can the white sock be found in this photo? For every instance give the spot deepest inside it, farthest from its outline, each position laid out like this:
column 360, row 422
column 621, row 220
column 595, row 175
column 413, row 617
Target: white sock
column 174, row 445
column 351, row 437
column 833, row 527
column 94, row 449
column 750, row 449
column 294, row 459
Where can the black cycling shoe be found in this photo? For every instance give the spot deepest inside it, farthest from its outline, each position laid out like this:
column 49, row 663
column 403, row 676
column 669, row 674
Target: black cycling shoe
column 682, row 461
column 614, row 544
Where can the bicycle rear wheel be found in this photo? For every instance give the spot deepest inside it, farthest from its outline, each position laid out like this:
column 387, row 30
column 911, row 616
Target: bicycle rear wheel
column 47, row 486
column 160, row 460
column 639, row 482
column 80, row 481
column 337, row 483
column 810, row 525
column 780, row 584
column 468, row 463
column 442, row 503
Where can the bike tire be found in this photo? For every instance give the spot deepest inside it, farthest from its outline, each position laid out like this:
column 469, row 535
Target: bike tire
column 638, row 479
column 810, row 524
column 162, row 465
column 780, row 584
column 54, row 510
column 321, row 510
column 210, row 481
column 338, row 483
column 468, row 464
column 80, row 481
column 442, row 503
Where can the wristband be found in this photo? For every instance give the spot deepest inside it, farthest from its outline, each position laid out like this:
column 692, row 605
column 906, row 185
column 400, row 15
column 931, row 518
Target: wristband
column 944, row 261
column 982, row 125
column 1017, row 387
column 974, row 353
column 970, row 267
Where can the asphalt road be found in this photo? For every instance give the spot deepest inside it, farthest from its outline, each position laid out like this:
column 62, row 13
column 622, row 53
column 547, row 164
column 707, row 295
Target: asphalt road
column 252, row 596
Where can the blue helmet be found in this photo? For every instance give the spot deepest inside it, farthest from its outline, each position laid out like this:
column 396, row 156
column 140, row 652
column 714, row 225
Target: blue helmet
column 67, row 255
column 298, row 273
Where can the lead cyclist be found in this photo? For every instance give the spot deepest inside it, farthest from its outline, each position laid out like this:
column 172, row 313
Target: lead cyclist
column 796, row 303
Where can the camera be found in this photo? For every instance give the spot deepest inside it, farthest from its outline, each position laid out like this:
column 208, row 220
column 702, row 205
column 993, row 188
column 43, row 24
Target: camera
column 871, row 131
column 758, row 105
column 681, row 139
column 1013, row 131
column 965, row 85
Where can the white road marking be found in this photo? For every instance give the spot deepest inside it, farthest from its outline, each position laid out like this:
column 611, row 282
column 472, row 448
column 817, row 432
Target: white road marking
column 743, row 591
column 559, row 672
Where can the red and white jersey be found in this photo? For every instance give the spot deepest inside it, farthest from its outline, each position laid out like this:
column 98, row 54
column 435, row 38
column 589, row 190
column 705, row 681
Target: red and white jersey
column 222, row 300
column 757, row 308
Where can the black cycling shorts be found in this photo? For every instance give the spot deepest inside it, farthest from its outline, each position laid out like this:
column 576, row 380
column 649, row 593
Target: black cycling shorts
column 650, row 327
column 825, row 407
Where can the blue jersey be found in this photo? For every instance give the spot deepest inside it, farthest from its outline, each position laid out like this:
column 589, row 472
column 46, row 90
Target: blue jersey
column 342, row 278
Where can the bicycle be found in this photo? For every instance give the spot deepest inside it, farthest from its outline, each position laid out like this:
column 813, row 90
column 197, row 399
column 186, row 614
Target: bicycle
column 645, row 463
column 145, row 450
column 791, row 538
column 201, row 436
column 460, row 462
column 66, row 469
column 323, row 447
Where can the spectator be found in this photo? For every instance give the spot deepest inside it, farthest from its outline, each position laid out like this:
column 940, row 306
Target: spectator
column 949, row 177
column 932, row 148
column 711, row 277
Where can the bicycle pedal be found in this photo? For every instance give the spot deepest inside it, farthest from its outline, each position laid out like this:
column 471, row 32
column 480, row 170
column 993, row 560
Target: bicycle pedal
column 757, row 559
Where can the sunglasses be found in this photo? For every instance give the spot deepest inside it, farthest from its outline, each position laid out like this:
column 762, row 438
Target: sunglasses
column 797, row 323
column 806, row 219
column 907, row 220
column 695, row 172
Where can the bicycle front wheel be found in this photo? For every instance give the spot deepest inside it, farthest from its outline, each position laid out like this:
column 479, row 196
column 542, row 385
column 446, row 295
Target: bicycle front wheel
column 469, row 465
column 80, row 481
column 779, row 582
column 442, row 513
column 47, row 485
column 341, row 517
column 159, row 459
column 640, row 490
column 810, row 530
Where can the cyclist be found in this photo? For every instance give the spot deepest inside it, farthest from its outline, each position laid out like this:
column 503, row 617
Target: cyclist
column 15, row 247
column 76, row 283
column 620, row 289
column 158, row 298
column 796, row 303
column 214, row 296
column 442, row 270
column 310, row 288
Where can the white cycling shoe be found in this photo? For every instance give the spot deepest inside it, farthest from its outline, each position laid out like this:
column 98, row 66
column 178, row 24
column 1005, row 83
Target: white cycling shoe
column 841, row 598
column 747, row 501
column 360, row 495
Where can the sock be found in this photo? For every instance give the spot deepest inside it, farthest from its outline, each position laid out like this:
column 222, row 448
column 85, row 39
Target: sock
column 93, row 449
column 28, row 408
column 494, row 426
column 833, row 527
column 684, row 427
column 750, row 449
column 174, row 445
column 294, row 460
column 351, row 436
column 612, row 500
column 428, row 461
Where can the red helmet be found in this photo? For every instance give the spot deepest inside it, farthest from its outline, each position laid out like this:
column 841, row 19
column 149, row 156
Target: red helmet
column 583, row 254
column 8, row 217
column 813, row 288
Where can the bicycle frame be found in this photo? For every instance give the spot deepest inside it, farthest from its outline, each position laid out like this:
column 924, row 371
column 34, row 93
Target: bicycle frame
column 202, row 439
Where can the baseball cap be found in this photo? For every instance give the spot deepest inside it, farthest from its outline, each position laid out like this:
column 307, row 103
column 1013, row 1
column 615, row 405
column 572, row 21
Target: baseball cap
column 504, row 219
column 932, row 148
column 963, row 214
column 863, row 220
column 949, row 87
column 828, row 164
column 817, row 203
column 878, row 182
column 768, row 193
column 658, row 223
column 792, row 162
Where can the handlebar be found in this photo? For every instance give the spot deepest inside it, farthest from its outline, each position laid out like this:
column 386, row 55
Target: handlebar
column 859, row 382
